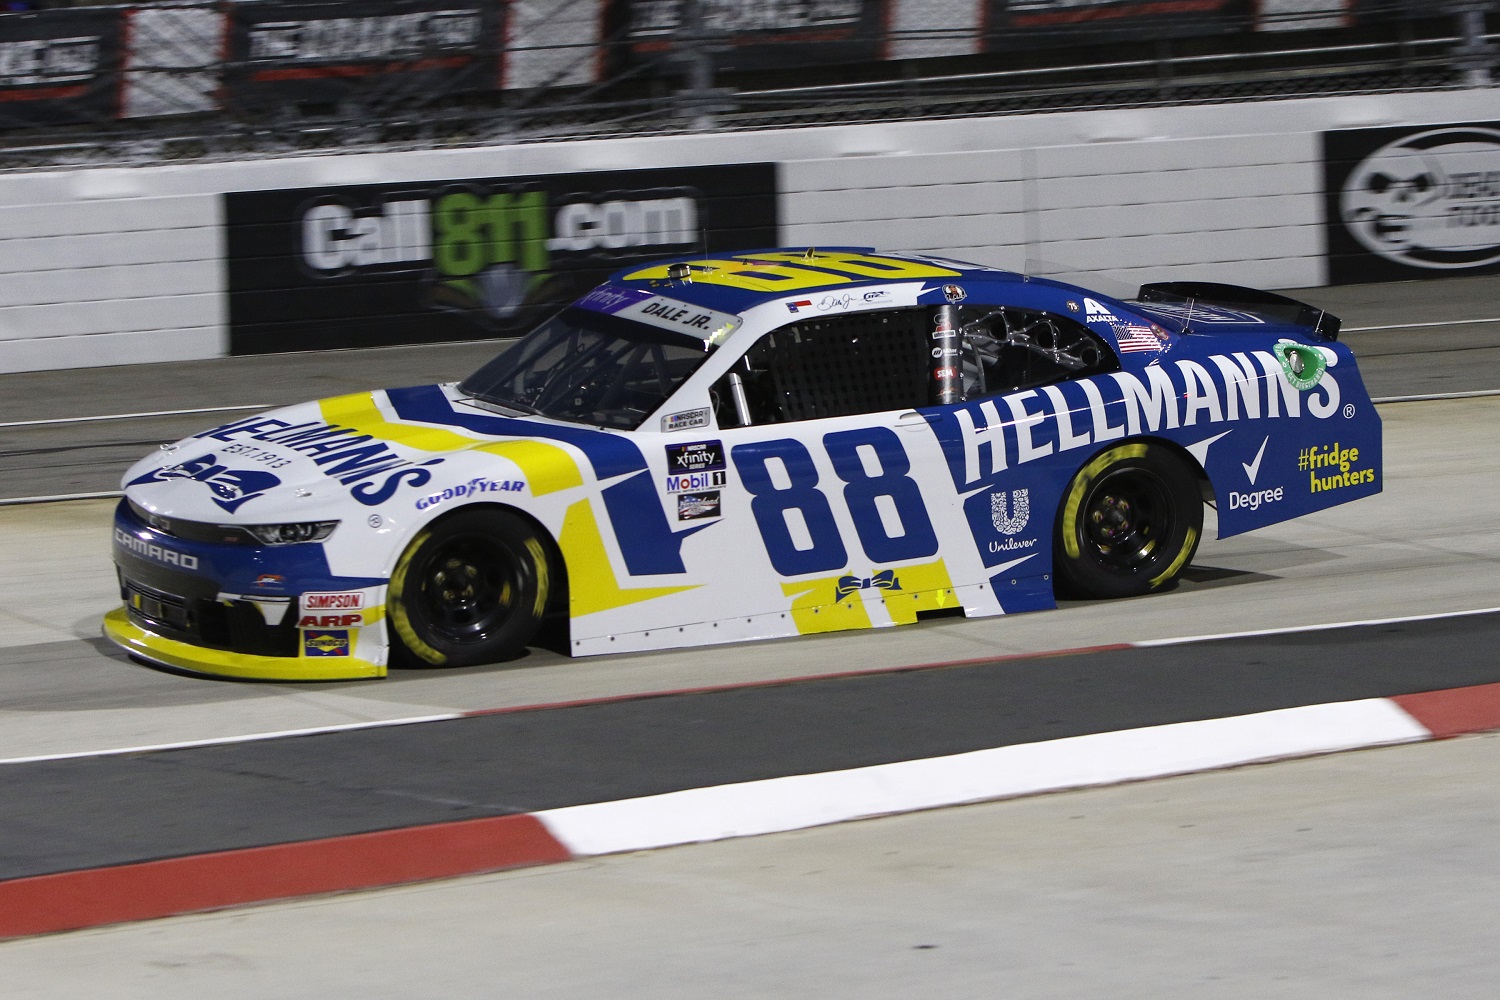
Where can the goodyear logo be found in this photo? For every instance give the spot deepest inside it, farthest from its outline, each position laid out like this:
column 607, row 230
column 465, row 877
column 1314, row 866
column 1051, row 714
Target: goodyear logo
column 326, row 642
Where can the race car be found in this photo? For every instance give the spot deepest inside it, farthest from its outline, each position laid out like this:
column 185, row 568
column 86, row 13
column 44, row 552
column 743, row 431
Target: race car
column 754, row 445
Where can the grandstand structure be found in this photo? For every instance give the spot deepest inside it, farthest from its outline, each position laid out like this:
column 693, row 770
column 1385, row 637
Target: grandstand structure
column 84, row 83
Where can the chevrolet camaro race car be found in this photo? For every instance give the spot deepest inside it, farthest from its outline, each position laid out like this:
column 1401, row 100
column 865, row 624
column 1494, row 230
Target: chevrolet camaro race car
column 755, row 445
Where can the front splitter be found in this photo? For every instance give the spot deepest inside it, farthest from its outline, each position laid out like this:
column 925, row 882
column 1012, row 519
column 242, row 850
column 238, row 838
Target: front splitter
column 120, row 630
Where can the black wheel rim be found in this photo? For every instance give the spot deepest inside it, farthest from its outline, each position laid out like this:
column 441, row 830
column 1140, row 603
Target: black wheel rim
column 1127, row 517
column 470, row 586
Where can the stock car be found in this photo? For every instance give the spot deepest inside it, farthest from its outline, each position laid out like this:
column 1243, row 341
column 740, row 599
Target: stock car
column 753, row 445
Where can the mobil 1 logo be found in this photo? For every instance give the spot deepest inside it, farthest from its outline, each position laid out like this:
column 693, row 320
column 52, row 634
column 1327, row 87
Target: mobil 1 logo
column 460, row 260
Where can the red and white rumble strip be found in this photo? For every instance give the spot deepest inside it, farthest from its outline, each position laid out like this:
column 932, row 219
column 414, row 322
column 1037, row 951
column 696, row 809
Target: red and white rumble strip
column 90, row 898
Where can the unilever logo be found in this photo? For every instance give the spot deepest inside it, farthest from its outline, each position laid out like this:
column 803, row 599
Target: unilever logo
column 1429, row 200
column 1011, row 521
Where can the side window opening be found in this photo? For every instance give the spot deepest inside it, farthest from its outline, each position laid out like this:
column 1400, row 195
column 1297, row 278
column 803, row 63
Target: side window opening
column 1006, row 349
column 832, row 366
column 870, row 362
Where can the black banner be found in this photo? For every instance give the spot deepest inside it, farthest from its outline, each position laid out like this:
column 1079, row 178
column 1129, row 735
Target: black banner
column 374, row 51
column 755, row 34
column 60, row 66
column 410, row 263
column 1412, row 202
column 1014, row 24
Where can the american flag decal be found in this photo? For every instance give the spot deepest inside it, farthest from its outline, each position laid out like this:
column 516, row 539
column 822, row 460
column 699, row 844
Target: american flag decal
column 1134, row 338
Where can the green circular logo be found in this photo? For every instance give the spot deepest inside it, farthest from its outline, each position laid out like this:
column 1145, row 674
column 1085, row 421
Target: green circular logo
column 1303, row 365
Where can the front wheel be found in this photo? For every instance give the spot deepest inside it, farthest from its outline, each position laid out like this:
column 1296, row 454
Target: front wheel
column 1129, row 523
column 469, row 589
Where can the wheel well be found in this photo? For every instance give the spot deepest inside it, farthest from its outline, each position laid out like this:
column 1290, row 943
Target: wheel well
column 557, row 566
column 1205, row 487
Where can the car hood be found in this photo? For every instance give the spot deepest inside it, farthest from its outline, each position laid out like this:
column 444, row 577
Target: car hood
column 303, row 462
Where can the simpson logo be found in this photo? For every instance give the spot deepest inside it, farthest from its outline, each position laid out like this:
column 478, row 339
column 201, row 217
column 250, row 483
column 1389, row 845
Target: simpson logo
column 353, row 600
column 155, row 553
column 330, row 642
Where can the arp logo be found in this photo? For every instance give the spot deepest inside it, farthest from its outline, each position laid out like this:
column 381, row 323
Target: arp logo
column 352, row 620
column 232, row 488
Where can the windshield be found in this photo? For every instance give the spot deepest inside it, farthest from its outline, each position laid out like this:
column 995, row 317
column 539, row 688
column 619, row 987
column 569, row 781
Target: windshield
column 589, row 368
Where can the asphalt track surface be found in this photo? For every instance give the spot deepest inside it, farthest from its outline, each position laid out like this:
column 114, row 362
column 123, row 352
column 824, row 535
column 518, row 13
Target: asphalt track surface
column 198, row 800
column 97, row 810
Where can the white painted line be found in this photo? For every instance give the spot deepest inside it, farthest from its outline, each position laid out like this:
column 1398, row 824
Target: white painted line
column 1423, row 397
column 1416, row 326
column 133, row 416
column 13, row 501
column 225, row 740
column 1291, row 629
column 779, row 804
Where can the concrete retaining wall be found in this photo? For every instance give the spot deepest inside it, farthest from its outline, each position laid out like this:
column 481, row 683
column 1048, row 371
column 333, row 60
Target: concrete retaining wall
column 117, row 266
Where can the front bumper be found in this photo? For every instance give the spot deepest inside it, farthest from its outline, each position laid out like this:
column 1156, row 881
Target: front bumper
column 125, row 633
column 234, row 610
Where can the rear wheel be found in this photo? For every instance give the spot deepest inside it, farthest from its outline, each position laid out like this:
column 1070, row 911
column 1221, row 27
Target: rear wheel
column 1129, row 524
column 469, row 589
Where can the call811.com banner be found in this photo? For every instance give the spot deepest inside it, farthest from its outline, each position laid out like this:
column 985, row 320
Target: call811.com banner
column 1412, row 202
column 372, row 265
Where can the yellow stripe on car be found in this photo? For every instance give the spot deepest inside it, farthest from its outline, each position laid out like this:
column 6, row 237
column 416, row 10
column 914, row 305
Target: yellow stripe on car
column 358, row 410
column 592, row 584
column 222, row 663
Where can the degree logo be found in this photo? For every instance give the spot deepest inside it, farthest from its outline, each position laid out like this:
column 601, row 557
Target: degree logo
column 331, row 642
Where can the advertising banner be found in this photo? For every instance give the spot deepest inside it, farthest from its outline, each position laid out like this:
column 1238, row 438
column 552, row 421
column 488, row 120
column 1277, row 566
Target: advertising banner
column 426, row 262
column 757, row 34
column 380, row 50
column 1013, row 24
column 1412, row 202
column 59, row 66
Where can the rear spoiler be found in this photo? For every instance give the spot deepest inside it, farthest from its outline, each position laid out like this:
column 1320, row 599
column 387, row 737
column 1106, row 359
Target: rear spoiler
column 1267, row 305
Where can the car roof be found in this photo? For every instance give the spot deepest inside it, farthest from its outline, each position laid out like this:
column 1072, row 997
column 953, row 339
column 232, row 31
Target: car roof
column 739, row 281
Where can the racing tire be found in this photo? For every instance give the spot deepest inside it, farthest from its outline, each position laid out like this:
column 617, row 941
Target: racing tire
column 469, row 589
column 1129, row 523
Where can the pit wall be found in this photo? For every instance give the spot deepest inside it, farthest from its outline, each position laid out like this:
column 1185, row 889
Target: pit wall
column 114, row 266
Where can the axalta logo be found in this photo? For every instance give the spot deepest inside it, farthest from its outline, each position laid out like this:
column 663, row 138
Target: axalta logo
column 155, row 553
column 465, row 233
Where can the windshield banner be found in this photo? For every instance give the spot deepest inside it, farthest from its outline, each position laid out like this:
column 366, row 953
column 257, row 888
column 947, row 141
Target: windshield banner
column 426, row 262
column 60, row 66
column 752, row 34
column 1412, row 202
column 1015, row 24
column 373, row 51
